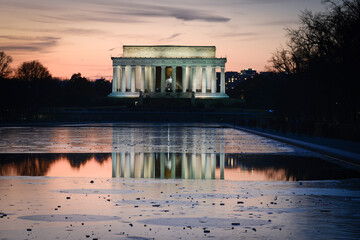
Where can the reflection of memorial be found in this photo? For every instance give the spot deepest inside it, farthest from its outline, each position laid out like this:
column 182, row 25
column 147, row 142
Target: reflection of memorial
column 168, row 152
column 167, row 165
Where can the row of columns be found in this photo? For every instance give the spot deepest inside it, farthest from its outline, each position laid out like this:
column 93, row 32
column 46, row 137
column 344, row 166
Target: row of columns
column 142, row 165
column 123, row 83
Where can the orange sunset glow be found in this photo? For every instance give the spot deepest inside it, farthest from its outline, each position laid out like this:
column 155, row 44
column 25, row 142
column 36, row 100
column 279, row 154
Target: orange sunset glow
column 81, row 36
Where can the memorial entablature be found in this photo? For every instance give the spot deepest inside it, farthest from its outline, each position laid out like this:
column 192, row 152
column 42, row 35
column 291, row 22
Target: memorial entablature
column 168, row 71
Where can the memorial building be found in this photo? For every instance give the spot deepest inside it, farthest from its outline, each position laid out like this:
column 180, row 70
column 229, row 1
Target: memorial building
column 168, row 71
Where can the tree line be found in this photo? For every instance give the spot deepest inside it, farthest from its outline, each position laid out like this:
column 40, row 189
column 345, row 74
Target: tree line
column 31, row 87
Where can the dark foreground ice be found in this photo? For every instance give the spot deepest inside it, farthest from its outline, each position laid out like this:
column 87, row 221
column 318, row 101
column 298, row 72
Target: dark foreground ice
column 74, row 208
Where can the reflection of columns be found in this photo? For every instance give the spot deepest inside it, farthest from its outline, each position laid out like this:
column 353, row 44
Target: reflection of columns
column 194, row 79
column 222, row 165
column 213, row 165
column 203, row 158
column 213, row 80
column 184, row 79
column 126, row 168
column 142, row 165
column 122, row 164
column 222, row 80
column 173, row 166
column 163, row 78
column 115, row 167
column 173, row 76
column 191, row 162
column 152, row 164
column 184, row 167
column 132, row 164
column 123, row 79
column 162, row 165
column 132, row 78
column 143, row 82
column 204, row 80
column 114, row 81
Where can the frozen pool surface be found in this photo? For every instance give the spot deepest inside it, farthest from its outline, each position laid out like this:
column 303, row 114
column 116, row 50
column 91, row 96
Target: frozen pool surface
column 146, row 138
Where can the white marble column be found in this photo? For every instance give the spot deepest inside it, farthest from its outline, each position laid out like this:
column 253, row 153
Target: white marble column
column 153, row 79
column 173, row 76
column 142, row 85
column 190, row 78
column 123, row 79
column 162, row 79
column 194, row 79
column 184, row 79
column 118, row 78
column 133, row 78
column 128, row 77
column 114, row 81
column 204, row 80
column 222, row 80
column 213, row 80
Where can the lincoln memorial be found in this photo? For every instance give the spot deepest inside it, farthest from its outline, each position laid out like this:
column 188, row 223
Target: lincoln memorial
column 168, row 71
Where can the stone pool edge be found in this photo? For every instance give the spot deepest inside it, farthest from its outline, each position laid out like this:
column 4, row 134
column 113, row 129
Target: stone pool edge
column 336, row 154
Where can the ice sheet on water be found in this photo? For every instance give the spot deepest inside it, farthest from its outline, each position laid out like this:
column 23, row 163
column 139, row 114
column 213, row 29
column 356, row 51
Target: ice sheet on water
column 147, row 138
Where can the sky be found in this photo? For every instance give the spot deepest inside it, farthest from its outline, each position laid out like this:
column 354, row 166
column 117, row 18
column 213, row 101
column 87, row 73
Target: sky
column 71, row 36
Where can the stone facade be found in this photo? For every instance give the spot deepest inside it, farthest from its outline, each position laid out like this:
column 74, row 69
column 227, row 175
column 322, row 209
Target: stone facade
column 155, row 70
column 169, row 51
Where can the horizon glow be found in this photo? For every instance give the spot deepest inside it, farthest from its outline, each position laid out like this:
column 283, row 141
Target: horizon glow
column 69, row 37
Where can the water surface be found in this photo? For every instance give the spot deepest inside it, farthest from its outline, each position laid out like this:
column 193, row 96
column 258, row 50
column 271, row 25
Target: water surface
column 173, row 151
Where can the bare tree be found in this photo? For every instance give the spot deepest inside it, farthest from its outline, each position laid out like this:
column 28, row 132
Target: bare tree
column 326, row 38
column 282, row 62
column 5, row 61
column 32, row 71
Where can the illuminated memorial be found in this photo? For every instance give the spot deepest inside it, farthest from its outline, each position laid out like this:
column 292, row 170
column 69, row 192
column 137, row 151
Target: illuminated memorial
column 168, row 71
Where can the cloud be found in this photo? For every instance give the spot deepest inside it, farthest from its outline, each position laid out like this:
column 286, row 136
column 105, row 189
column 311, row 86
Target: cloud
column 96, row 16
column 81, row 31
column 175, row 35
column 279, row 23
column 132, row 12
column 264, row 1
column 185, row 14
column 242, row 34
column 33, row 44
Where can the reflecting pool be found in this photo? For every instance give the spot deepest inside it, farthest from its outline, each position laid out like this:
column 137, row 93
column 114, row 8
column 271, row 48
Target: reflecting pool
column 169, row 181
column 166, row 151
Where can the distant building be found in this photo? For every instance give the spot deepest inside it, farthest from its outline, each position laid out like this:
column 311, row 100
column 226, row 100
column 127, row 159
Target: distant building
column 232, row 79
column 248, row 73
